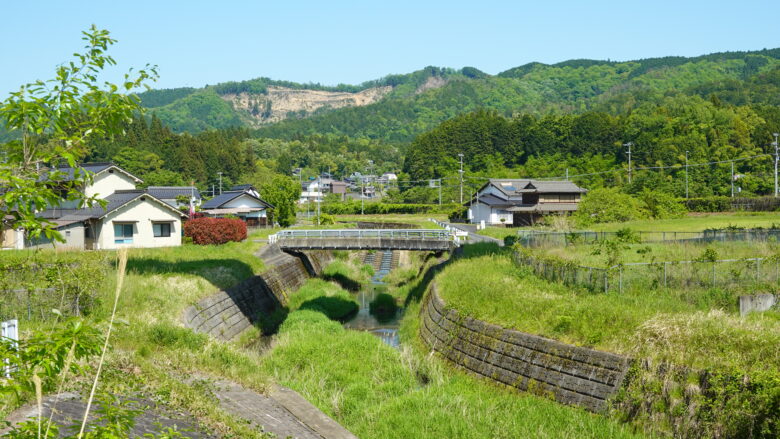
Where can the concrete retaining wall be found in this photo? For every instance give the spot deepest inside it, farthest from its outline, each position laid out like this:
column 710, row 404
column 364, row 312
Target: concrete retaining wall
column 227, row 313
column 757, row 303
column 571, row 374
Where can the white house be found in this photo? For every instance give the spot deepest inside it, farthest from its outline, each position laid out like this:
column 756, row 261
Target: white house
column 130, row 217
column 242, row 204
column 519, row 202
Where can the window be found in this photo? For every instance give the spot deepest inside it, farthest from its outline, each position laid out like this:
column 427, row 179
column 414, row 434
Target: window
column 161, row 230
column 123, row 233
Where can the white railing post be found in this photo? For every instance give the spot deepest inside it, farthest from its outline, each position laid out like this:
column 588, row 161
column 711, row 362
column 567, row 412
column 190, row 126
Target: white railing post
column 10, row 330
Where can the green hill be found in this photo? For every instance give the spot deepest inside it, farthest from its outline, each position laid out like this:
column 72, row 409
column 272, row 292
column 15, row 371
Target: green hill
column 406, row 105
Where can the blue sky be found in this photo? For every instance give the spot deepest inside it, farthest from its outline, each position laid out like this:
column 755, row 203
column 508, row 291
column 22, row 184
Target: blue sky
column 196, row 42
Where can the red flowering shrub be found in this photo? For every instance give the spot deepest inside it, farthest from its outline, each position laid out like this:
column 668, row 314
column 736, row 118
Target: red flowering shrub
column 206, row 231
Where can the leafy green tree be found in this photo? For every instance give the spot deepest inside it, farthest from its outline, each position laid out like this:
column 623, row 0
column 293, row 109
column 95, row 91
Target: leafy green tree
column 608, row 205
column 55, row 119
column 138, row 162
column 283, row 193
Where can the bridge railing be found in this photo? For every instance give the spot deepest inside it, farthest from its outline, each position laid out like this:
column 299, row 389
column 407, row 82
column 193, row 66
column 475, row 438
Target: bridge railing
column 415, row 234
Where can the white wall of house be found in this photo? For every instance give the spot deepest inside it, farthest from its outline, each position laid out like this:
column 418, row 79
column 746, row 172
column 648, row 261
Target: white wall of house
column 73, row 234
column 490, row 215
column 141, row 215
column 108, row 182
column 245, row 201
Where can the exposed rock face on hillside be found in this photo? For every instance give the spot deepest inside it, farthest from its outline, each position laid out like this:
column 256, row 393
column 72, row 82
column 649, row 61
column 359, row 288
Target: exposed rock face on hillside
column 431, row 83
column 281, row 103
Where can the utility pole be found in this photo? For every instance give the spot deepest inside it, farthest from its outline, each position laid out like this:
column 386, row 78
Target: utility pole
column 461, row 181
column 732, row 179
column 567, row 174
column 362, row 192
column 220, row 182
column 776, row 156
column 440, row 192
column 319, row 202
column 686, row 174
column 629, row 144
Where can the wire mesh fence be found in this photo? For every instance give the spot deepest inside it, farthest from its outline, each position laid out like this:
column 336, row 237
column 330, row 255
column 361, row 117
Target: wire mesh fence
column 533, row 238
column 690, row 274
column 31, row 291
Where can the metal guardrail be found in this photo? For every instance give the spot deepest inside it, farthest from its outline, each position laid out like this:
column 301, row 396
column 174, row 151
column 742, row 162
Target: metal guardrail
column 411, row 234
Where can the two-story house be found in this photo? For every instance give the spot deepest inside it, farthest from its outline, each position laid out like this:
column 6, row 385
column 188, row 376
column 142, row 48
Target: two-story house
column 521, row 202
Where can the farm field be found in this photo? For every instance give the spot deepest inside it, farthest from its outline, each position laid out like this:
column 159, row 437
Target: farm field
column 693, row 222
column 594, row 256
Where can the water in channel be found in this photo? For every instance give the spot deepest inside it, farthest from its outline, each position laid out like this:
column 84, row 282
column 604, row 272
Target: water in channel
column 383, row 325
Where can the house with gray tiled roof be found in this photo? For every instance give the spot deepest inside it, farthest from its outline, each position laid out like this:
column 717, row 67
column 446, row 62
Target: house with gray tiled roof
column 522, row 202
column 174, row 195
column 241, row 203
column 126, row 216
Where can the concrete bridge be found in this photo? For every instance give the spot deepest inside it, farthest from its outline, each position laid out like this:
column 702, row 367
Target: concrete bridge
column 365, row 239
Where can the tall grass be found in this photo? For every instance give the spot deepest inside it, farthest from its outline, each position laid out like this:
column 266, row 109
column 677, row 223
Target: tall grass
column 687, row 327
column 379, row 392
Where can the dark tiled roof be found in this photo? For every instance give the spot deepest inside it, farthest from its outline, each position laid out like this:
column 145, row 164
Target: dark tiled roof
column 241, row 187
column 171, row 192
column 512, row 186
column 221, row 199
column 492, row 200
column 113, row 202
column 69, row 173
column 226, row 197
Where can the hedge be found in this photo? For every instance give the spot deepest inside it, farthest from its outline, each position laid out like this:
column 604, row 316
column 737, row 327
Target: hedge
column 205, row 231
column 374, row 208
column 728, row 204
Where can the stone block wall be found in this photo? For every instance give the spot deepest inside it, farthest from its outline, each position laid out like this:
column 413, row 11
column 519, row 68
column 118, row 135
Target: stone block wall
column 227, row 313
column 570, row 374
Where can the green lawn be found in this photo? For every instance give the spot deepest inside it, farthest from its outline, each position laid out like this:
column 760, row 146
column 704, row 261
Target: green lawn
column 696, row 222
column 685, row 327
column 590, row 254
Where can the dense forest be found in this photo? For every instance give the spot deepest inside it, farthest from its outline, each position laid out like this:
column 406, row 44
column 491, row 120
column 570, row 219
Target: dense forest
column 535, row 120
column 421, row 100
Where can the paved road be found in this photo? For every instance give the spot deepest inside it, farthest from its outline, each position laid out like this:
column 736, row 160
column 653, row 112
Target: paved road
column 474, row 236
column 69, row 410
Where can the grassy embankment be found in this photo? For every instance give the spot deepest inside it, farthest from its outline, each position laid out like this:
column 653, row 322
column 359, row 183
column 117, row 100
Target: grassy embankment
column 684, row 327
column 153, row 352
column 379, row 392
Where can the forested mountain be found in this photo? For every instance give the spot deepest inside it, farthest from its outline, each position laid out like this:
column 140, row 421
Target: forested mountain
column 398, row 107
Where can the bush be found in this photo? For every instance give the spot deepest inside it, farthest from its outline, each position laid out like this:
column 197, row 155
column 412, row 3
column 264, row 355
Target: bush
column 373, row 208
column 728, row 204
column 608, row 205
column 205, row 231
column 662, row 205
column 458, row 214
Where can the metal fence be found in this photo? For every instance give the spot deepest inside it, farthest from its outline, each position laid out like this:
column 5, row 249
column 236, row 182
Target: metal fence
column 428, row 234
column 726, row 273
column 533, row 238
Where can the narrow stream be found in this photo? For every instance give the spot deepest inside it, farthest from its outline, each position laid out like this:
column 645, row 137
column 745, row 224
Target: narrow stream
column 383, row 326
